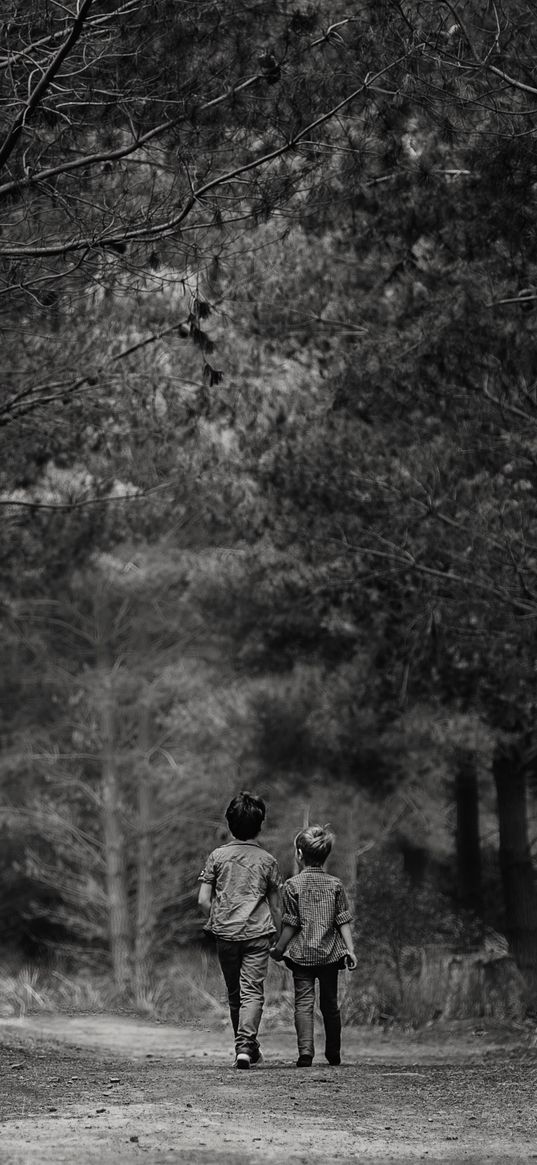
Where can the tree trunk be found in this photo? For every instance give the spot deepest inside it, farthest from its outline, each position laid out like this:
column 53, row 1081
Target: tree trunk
column 114, row 843
column 457, row 985
column 518, row 875
column 145, row 906
column 467, row 832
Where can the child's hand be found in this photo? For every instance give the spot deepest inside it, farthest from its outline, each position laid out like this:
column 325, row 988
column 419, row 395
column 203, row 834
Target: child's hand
column 351, row 962
column 276, row 954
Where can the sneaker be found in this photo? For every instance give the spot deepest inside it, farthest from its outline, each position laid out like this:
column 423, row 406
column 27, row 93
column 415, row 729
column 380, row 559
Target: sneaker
column 334, row 1061
column 256, row 1059
column 304, row 1061
column 243, row 1060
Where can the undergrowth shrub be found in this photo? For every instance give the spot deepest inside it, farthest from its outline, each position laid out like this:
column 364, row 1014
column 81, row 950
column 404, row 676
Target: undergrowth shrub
column 396, row 922
column 403, row 932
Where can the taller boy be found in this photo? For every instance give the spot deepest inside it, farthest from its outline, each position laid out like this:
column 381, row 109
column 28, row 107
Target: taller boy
column 240, row 894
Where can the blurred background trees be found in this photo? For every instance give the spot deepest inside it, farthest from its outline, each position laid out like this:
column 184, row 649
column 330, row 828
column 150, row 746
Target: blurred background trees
column 267, row 484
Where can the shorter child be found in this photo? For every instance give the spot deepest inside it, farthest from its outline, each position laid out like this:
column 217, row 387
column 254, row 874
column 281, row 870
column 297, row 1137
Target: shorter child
column 240, row 894
column 316, row 930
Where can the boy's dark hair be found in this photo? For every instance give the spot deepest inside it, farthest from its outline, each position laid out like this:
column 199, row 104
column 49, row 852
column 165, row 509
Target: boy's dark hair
column 315, row 843
column 245, row 815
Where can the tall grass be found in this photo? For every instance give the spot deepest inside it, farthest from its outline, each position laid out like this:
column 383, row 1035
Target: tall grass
column 33, row 989
column 22, row 992
column 189, row 989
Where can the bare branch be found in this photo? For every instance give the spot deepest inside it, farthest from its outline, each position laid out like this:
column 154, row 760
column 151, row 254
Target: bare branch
column 41, row 88
column 83, row 503
column 467, row 583
column 22, row 403
column 152, row 231
column 103, row 156
column 129, row 8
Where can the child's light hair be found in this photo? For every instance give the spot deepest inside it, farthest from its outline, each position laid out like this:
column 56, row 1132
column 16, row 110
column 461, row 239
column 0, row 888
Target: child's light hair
column 315, row 843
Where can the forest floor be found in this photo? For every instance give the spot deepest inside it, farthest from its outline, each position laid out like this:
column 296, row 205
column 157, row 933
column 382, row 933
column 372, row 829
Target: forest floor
column 81, row 1089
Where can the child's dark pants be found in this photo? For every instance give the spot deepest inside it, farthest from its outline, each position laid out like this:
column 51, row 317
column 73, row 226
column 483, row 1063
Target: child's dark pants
column 244, row 967
column 304, row 978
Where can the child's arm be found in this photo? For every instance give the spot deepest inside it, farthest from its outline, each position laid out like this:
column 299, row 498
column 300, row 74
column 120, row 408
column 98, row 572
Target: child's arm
column 205, row 897
column 346, row 934
column 208, row 882
column 274, row 901
column 278, row 950
column 343, row 923
column 291, row 922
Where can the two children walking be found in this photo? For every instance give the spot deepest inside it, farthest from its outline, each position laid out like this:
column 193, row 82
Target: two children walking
column 240, row 893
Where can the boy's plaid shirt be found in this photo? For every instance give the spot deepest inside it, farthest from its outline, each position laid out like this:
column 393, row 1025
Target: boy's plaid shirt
column 317, row 903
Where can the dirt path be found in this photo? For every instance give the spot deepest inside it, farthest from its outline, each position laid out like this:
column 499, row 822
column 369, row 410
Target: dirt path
column 76, row 1090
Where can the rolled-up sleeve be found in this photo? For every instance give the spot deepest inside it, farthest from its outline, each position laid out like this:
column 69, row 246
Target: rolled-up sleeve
column 208, row 873
column 290, row 913
column 343, row 913
column 274, row 879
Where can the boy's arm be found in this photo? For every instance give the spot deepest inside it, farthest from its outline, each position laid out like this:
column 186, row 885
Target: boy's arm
column 343, row 923
column 278, row 950
column 208, row 882
column 346, row 934
column 205, row 897
column 291, row 923
column 274, row 901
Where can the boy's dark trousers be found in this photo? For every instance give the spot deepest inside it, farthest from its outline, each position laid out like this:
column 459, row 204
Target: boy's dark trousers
column 244, row 967
column 304, row 980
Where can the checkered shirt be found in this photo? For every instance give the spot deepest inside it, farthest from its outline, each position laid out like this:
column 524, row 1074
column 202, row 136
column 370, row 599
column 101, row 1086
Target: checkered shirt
column 317, row 903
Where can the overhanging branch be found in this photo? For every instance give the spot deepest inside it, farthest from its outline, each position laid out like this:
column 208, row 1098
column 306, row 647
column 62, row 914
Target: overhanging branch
column 44, row 83
column 150, row 232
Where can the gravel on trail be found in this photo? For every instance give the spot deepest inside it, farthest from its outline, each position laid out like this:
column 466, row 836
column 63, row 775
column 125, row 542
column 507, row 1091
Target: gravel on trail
column 105, row 1089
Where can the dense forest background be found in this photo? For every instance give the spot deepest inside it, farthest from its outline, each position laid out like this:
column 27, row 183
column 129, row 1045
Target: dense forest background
column 268, row 481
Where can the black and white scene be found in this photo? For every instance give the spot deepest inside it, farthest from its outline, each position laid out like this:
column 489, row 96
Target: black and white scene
column 268, row 582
